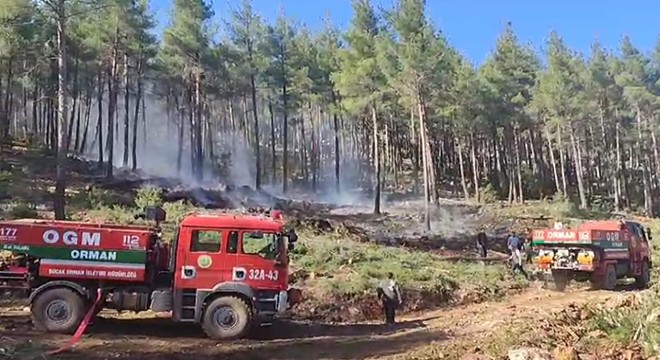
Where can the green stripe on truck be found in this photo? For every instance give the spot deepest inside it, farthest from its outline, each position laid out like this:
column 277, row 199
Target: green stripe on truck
column 601, row 244
column 63, row 253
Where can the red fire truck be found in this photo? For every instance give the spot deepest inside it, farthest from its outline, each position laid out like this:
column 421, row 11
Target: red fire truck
column 226, row 272
column 599, row 251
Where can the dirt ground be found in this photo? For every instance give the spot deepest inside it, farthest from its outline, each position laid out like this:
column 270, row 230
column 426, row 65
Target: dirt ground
column 451, row 330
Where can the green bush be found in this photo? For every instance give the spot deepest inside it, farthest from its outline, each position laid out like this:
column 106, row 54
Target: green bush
column 488, row 195
column 148, row 196
column 345, row 266
column 94, row 198
column 22, row 210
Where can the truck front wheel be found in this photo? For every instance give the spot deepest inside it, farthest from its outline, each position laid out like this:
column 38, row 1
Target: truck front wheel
column 58, row 310
column 227, row 317
column 642, row 281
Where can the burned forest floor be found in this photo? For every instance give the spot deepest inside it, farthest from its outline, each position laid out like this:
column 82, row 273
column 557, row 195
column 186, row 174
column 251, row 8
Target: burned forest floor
column 455, row 304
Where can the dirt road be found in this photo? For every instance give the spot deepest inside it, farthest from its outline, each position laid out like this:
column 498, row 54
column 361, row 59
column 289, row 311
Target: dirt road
column 152, row 338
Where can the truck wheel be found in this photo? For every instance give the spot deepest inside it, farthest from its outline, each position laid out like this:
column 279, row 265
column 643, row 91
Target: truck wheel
column 58, row 310
column 561, row 280
column 642, row 281
column 226, row 317
column 608, row 281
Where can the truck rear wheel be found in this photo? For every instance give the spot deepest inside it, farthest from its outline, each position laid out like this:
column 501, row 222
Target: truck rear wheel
column 227, row 317
column 608, row 280
column 642, row 281
column 58, row 310
column 561, row 280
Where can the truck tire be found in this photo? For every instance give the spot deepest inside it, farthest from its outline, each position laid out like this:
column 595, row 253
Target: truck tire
column 58, row 310
column 561, row 280
column 608, row 281
column 226, row 317
column 642, row 281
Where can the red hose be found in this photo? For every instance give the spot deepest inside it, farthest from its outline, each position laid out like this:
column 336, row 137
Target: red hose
column 81, row 328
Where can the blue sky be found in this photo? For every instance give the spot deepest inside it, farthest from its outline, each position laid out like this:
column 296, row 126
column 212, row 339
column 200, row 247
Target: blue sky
column 472, row 26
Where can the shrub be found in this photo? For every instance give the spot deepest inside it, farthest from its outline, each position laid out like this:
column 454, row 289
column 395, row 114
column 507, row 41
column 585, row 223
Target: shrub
column 148, row 196
column 22, row 210
column 488, row 195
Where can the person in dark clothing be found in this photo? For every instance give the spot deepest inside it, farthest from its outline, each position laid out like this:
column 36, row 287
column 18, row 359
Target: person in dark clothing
column 515, row 246
column 482, row 244
column 390, row 296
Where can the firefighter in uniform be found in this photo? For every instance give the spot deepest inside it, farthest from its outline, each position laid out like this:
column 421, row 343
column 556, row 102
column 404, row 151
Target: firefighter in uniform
column 390, row 296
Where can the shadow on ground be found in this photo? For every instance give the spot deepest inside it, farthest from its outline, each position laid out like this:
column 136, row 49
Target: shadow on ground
column 139, row 339
column 282, row 330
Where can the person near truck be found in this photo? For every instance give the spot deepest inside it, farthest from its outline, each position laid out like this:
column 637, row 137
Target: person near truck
column 515, row 245
column 482, row 244
column 390, row 297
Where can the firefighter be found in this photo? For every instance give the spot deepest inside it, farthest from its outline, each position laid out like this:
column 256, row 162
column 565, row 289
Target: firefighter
column 390, row 296
column 529, row 251
column 515, row 245
column 482, row 244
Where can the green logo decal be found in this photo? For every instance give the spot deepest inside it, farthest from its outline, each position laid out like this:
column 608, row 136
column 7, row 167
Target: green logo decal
column 204, row 261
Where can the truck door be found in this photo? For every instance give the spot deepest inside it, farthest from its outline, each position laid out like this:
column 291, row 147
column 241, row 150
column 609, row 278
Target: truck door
column 235, row 271
column 642, row 245
column 257, row 259
column 202, row 263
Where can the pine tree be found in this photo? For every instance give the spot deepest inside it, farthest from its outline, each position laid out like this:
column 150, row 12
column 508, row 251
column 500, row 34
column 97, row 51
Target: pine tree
column 360, row 81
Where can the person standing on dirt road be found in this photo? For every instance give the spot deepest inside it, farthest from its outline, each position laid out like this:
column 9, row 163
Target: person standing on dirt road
column 390, row 296
column 482, row 244
column 515, row 245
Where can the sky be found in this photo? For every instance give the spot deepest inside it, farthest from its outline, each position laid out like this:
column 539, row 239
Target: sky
column 472, row 26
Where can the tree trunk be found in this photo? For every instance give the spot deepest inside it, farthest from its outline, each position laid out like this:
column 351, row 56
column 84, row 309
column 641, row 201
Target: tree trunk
column 60, row 182
column 562, row 163
column 374, row 119
column 136, row 114
column 475, row 167
column 461, row 166
column 619, row 168
column 578, row 170
column 199, row 154
column 285, row 140
column 112, row 106
column 99, row 118
column 127, row 111
column 257, row 144
column 558, row 187
column 425, row 164
column 335, row 120
column 273, row 159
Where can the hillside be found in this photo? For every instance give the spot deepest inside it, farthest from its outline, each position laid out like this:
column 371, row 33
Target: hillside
column 450, row 295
